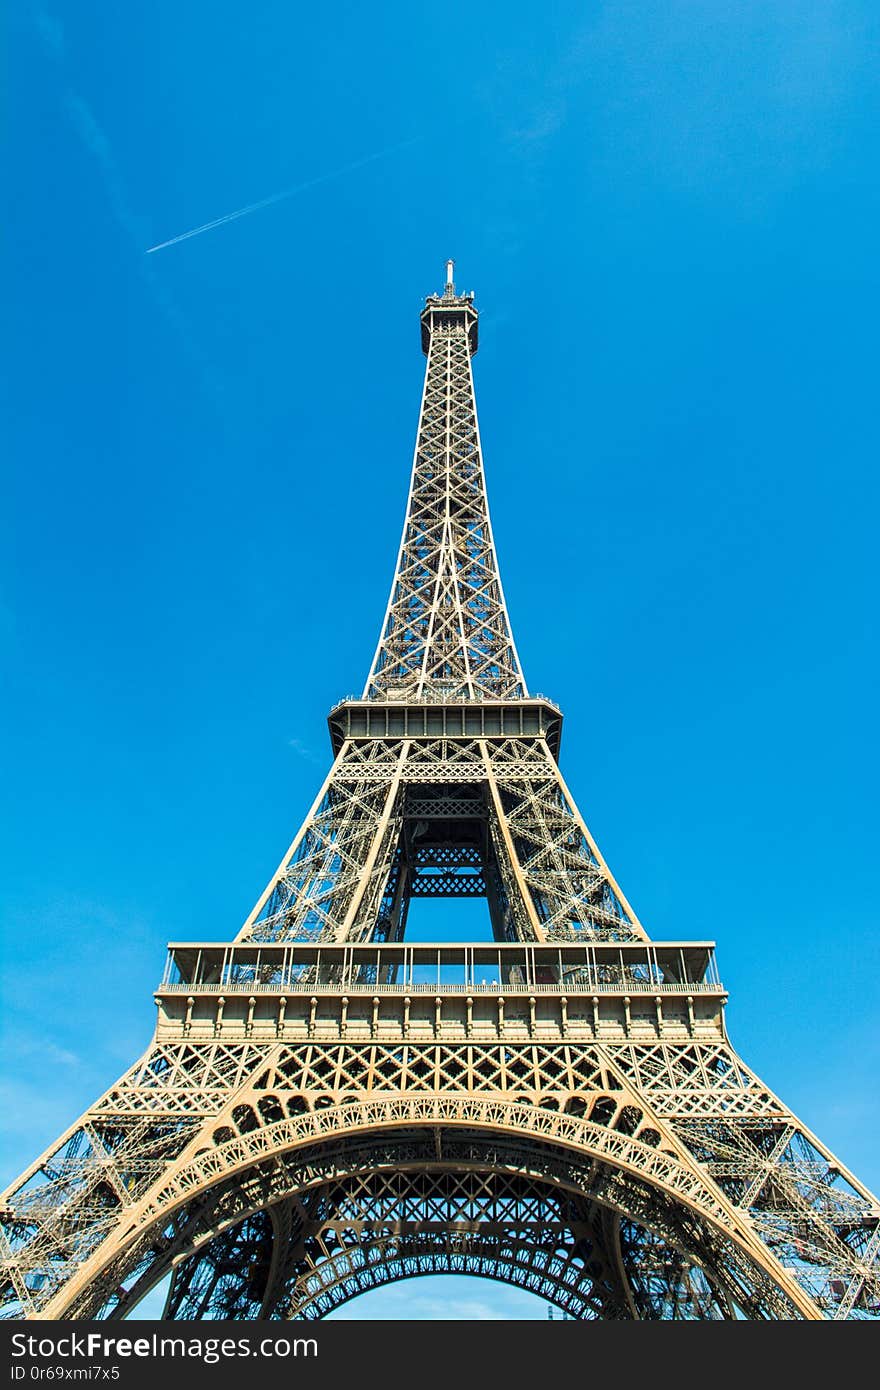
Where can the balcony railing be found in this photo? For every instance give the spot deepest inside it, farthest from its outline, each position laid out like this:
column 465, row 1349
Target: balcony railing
column 493, row 988
column 443, row 968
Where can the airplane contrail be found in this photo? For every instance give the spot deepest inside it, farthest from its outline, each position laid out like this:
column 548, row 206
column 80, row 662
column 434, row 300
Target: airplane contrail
column 285, row 193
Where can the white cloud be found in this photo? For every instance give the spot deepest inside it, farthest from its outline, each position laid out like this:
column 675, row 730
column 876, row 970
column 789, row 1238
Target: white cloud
column 302, row 750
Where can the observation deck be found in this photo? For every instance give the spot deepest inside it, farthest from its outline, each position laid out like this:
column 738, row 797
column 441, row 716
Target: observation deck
column 610, row 992
column 449, row 310
column 437, row 718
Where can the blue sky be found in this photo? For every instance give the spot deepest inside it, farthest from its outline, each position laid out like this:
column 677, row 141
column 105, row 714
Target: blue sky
column 668, row 212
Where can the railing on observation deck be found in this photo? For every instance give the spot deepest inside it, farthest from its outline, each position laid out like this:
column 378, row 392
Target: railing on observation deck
column 438, row 696
column 447, row 968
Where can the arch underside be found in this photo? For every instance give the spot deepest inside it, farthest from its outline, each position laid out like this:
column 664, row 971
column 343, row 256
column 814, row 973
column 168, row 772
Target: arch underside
column 594, row 1240
column 153, row 1192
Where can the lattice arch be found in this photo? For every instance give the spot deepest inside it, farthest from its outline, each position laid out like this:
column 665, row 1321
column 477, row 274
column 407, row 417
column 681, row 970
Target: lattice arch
column 306, row 1257
column 254, row 1160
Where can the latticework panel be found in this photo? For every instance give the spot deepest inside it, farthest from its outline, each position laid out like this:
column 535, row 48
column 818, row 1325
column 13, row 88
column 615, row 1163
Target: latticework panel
column 570, row 889
column 819, row 1223
column 339, row 865
column 543, row 875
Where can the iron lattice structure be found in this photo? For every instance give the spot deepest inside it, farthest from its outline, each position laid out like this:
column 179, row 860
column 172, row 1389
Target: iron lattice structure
column 325, row 1108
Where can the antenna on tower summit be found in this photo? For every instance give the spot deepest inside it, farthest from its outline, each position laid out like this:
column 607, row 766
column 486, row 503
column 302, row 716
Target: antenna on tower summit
column 450, row 266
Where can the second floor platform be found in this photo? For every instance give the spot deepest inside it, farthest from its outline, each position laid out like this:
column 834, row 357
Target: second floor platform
column 451, row 990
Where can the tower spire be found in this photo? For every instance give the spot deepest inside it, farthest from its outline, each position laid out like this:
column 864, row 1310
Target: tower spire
column 446, row 632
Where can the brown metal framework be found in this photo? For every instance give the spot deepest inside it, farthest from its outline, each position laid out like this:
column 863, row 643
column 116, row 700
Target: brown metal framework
column 325, row 1108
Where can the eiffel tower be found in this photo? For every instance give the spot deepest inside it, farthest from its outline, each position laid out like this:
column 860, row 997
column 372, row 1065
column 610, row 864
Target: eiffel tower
column 325, row 1108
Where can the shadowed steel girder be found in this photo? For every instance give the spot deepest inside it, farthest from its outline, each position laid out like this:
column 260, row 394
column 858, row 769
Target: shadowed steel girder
column 305, row 1258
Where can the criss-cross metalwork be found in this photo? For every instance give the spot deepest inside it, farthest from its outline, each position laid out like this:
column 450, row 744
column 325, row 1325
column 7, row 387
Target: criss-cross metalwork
column 326, row 1108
